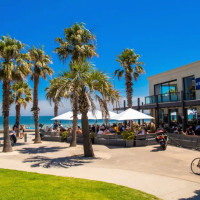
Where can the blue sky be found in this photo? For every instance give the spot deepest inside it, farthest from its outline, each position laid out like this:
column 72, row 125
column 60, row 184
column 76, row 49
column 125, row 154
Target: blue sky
column 165, row 33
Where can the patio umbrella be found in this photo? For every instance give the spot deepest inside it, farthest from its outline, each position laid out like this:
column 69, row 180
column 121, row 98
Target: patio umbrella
column 131, row 114
column 98, row 115
column 64, row 116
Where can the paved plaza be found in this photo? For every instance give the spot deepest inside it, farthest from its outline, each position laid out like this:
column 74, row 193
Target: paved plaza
column 165, row 174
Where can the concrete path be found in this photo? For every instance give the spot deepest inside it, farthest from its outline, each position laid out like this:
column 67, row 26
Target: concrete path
column 165, row 174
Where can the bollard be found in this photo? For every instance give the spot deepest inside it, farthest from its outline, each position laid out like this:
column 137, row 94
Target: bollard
column 25, row 137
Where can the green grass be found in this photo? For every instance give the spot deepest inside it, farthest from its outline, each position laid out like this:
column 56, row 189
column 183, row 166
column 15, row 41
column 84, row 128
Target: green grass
column 28, row 186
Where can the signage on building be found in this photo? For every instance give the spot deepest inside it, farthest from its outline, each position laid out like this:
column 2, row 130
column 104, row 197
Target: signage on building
column 197, row 83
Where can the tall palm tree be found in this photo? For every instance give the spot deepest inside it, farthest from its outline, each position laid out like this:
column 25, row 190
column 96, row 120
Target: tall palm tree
column 22, row 95
column 89, row 84
column 40, row 62
column 132, row 69
column 53, row 94
column 79, row 43
column 13, row 66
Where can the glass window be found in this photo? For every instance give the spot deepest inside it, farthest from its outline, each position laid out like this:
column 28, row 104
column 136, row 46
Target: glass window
column 173, row 87
column 189, row 88
column 191, row 115
column 173, row 116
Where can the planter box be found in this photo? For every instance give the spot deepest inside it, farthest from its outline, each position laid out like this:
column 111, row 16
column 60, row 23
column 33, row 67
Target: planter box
column 140, row 143
column 129, row 143
column 52, row 138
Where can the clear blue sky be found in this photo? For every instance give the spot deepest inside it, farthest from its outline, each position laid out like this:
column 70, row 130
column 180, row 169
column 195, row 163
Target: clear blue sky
column 165, row 33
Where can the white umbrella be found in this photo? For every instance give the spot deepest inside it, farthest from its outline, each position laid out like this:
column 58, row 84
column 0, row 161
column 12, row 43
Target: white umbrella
column 64, row 116
column 130, row 114
column 98, row 115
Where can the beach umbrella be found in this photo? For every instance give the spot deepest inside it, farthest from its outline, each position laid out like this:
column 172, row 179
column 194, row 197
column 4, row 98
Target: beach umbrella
column 98, row 115
column 131, row 114
column 64, row 116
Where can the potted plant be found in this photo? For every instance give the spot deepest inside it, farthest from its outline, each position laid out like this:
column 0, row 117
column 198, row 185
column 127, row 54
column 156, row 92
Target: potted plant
column 128, row 135
column 64, row 136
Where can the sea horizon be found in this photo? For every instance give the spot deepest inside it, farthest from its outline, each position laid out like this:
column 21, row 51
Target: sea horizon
column 28, row 121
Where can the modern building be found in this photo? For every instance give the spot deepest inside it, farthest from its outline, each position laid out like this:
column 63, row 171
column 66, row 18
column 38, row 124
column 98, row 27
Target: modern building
column 174, row 96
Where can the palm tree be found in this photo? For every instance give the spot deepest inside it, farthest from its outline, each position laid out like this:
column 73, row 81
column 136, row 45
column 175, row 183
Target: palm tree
column 22, row 95
column 89, row 84
column 53, row 94
column 13, row 66
column 132, row 69
column 40, row 62
column 79, row 43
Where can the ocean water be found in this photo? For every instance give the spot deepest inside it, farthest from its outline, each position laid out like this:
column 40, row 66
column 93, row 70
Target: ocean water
column 28, row 121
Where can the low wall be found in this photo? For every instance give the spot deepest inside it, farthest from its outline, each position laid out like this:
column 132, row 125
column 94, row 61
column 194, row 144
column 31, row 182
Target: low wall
column 187, row 141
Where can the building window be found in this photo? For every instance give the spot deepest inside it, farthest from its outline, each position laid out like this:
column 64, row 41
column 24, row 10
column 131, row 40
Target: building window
column 189, row 88
column 166, row 91
column 191, row 116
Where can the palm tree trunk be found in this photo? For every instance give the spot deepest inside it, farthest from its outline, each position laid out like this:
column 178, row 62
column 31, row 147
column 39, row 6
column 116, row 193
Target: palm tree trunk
column 129, row 88
column 6, row 106
column 17, row 122
column 56, row 108
column 87, row 144
column 75, row 120
column 36, row 110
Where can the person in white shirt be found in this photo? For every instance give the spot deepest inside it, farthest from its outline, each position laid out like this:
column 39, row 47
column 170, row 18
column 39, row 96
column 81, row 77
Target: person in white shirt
column 100, row 132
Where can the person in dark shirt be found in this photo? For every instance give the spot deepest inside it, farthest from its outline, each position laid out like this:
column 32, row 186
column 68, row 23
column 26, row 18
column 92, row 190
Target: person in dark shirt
column 190, row 131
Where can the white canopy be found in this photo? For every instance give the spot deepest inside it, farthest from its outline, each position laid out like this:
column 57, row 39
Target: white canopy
column 64, row 116
column 69, row 115
column 98, row 115
column 130, row 114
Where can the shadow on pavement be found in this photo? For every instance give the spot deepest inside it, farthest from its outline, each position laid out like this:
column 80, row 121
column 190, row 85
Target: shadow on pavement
column 63, row 162
column 195, row 197
column 40, row 150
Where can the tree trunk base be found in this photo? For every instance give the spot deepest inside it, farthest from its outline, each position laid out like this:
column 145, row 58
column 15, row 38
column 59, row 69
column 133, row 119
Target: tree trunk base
column 7, row 149
column 37, row 141
column 89, row 155
column 73, row 144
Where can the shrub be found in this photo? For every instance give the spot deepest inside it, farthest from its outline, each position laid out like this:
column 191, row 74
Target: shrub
column 128, row 135
column 64, row 135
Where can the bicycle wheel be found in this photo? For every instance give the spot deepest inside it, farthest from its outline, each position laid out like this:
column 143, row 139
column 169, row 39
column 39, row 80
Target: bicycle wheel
column 195, row 166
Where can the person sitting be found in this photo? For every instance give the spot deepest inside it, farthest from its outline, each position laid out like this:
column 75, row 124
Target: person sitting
column 100, row 132
column 106, row 131
column 190, row 131
column 176, row 131
column 21, row 131
column 143, row 131
column 55, row 126
column 79, row 131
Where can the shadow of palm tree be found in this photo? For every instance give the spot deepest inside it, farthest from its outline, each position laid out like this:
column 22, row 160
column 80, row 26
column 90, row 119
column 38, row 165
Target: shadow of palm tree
column 40, row 150
column 63, row 162
column 195, row 197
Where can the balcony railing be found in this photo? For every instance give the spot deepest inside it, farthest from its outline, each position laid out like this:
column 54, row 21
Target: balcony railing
column 167, row 97
column 150, row 100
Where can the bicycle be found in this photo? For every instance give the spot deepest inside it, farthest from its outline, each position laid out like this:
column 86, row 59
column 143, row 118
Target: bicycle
column 195, row 166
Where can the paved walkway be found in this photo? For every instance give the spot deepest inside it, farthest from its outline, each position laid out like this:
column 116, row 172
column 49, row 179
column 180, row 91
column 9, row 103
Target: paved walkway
column 165, row 174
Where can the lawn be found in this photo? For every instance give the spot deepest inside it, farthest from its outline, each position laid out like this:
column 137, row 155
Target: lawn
column 28, row 186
